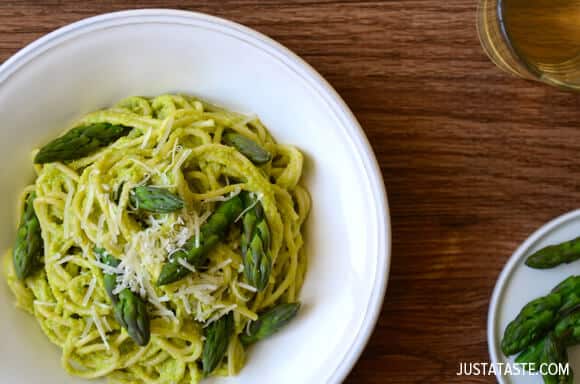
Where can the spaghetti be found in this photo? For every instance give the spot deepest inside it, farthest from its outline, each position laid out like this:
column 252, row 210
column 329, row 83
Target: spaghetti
column 175, row 143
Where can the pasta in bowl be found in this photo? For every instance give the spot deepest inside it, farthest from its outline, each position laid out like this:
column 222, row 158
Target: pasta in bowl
column 160, row 239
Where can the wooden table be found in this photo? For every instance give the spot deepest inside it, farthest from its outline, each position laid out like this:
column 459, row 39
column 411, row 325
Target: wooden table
column 473, row 160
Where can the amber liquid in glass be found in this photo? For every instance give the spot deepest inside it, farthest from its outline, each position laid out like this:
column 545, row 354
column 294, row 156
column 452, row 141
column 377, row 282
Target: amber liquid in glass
column 534, row 38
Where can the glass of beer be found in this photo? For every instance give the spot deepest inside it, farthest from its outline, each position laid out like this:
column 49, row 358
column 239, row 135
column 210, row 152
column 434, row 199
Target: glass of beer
column 534, row 39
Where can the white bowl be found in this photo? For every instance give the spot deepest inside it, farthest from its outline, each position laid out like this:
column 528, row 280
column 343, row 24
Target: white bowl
column 519, row 284
column 95, row 62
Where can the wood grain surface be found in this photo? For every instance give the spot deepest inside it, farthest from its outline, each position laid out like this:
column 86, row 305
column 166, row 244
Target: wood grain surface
column 473, row 159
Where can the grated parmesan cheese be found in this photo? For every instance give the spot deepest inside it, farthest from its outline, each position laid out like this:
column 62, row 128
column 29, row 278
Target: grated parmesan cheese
column 203, row 218
column 248, row 287
column 220, row 314
column 198, row 221
column 90, row 290
column 44, row 303
column 132, row 273
column 102, row 305
column 65, row 259
column 237, row 293
column 106, row 324
column 200, row 291
column 182, row 236
column 196, row 228
column 146, row 138
column 248, row 324
column 195, row 288
column 113, row 224
column 166, row 126
column 100, row 228
column 107, row 268
column 100, row 329
column 147, row 168
column 88, row 327
column 186, row 265
column 184, row 155
column 176, row 148
column 154, row 299
column 259, row 198
column 186, row 304
column 221, row 265
column 88, row 205
column 227, row 197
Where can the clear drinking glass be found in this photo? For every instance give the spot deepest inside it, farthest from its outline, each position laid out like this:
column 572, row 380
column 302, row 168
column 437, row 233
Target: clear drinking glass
column 534, row 39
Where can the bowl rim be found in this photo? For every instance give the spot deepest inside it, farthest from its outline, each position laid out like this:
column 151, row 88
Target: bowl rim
column 322, row 88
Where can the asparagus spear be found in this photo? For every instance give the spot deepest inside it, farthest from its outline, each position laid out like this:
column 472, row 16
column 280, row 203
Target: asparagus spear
column 551, row 348
column 554, row 255
column 255, row 243
column 569, row 289
column 217, row 337
column 153, row 199
column 532, row 354
column 270, row 322
column 130, row 310
column 570, row 303
column 540, row 315
column 555, row 353
column 568, row 286
column 568, row 329
column 80, row 141
column 533, row 321
column 131, row 313
column 28, row 249
column 195, row 253
column 249, row 148
column 545, row 327
column 548, row 350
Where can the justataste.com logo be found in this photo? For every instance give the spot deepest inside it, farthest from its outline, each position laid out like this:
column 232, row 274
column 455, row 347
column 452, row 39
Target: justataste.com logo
column 511, row 369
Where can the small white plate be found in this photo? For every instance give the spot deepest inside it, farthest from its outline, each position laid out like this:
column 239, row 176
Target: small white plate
column 518, row 284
